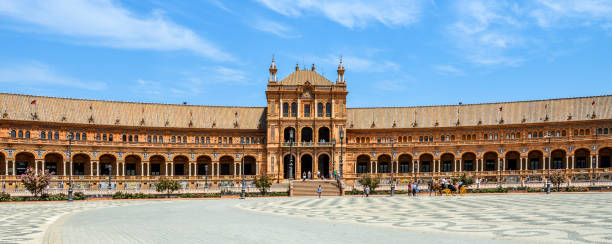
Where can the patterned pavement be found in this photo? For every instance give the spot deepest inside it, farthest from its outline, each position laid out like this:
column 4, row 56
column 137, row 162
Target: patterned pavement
column 27, row 222
column 556, row 218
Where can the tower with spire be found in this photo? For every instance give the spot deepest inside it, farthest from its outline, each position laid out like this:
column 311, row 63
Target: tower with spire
column 273, row 71
column 340, row 72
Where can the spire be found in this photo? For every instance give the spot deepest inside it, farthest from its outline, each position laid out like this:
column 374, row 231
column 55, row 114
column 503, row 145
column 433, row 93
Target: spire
column 297, row 66
column 313, row 67
column 340, row 72
column 273, row 71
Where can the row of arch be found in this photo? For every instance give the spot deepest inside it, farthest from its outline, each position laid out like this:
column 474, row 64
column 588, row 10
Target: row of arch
column 132, row 165
column 307, row 134
column 559, row 159
column 307, row 165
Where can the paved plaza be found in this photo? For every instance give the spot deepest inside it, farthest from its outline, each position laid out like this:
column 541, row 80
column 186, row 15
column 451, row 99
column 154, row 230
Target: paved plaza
column 512, row 218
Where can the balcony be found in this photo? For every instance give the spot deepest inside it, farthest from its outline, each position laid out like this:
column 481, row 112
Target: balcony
column 308, row 144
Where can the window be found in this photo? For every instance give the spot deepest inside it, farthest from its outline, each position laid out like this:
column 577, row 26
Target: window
column 130, row 138
column 124, row 138
column 563, row 133
column 219, row 140
column 328, row 110
column 196, row 140
column 293, row 109
column 104, row 137
column 320, row 109
column 13, row 134
column 42, row 135
column 248, row 140
column 161, row 139
column 441, row 138
column 84, row 136
column 306, row 110
column 56, row 135
column 20, row 133
column 78, row 136
column 207, row 140
column 605, row 131
column 173, row 139
column 178, row 139
column 224, row 140
column 97, row 136
column 285, row 110
column 110, row 137
column 154, row 139
column 27, row 134
column 148, row 138
column 184, row 139
column 136, row 138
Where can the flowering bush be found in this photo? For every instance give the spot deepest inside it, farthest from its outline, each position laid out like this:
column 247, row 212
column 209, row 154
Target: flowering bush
column 35, row 182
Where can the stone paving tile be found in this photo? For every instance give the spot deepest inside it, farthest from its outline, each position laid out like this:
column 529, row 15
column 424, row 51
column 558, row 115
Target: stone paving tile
column 27, row 222
column 556, row 218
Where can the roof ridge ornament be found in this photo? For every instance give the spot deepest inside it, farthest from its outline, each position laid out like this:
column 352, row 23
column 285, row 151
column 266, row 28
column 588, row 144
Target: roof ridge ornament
column 273, row 71
column 340, row 72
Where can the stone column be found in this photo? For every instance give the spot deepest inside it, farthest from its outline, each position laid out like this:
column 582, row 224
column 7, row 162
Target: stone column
column 6, row 167
column 573, row 161
column 91, row 163
column 35, row 167
column 43, row 165
column 15, row 171
column 418, row 168
column 376, row 167
column 98, row 168
column 460, row 165
column 596, row 161
column 503, row 164
column 63, row 167
column 455, row 166
column 166, row 173
column 256, row 168
column 566, row 162
column 171, row 168
column 543, row 162
column 371, row 167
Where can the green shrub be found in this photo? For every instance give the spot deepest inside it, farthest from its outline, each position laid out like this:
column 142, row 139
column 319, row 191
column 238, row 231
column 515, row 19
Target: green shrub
column 79, row 196
column 5, row 197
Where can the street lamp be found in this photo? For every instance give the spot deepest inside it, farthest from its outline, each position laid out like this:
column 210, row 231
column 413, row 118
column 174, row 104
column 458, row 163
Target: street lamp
column 70, row 137
column 341, row 139
column 243, row 193
column 333, row 157
column 500, row 167
column 548, row 136
column 291, row 154
column 392, row 163
column 110, row 168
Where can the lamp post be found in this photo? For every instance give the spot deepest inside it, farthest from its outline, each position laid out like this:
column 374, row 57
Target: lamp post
column 70, row 137
column 499, row 167
column 243, row 192
column 392, row 163
column 341, row 139
column 333, row 157
column 290, row 154
column 548, row 136
column 110, row 168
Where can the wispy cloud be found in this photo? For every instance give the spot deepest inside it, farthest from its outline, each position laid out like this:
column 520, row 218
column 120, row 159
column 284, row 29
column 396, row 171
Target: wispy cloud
column 360, row 64
column 40, row 74
column 355, row 13
column 273, row 27
column 448, row 70
column 105, row 23
column 562, row 12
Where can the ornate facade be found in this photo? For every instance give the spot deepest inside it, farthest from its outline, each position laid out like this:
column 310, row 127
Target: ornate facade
column 306, row 127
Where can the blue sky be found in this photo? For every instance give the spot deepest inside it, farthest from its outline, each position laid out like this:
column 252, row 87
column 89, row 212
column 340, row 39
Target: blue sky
column 397, row 53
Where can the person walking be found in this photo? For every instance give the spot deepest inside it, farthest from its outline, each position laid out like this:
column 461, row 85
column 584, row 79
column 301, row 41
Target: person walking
column 319, row 191
column 409, row 188
column 367, row 191
column 415, row 189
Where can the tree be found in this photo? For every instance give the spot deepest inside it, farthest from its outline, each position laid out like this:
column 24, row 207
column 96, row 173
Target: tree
column 466, row 181
column 166, row 185
column 369, row 181
column 557, row 178
column 35, row 182
column 263, row 183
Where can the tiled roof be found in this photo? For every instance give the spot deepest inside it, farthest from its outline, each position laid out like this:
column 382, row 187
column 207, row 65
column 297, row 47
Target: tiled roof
column 557, row 110
column 64, row 110
column 299, row 77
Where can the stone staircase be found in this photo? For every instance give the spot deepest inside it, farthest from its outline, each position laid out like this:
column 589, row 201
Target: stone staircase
column 309, row 188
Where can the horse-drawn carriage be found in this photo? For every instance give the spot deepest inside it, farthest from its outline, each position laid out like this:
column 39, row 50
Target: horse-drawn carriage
column 447, row 189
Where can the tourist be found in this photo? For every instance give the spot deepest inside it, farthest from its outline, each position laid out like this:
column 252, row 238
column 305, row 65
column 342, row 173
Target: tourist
column 304, row 176
column 409, row 188
column 367, row 191
column 309, row 174
column 415, row 189
column 319, row 191
column 318, row 174
column 330, row 174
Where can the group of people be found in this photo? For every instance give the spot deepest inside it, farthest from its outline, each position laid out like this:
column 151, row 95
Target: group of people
column 413, row 189
column 308, row 175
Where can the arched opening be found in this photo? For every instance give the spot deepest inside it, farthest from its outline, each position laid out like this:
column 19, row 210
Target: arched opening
column 287, row 134
column 512, row 160
column 204, row 165
column 604, row 157
column 287, row 160
column 469, row 161
column 108, row 165
column 54, row 163
column 534, row 159
column 180, row 165
column 405, row 163
column 133, row 165
column 81, row 164
column 490, row 160
column 157, row 164
column 23, row 161
column 384, row 163
column 323, row 164
column 306, row 165
column 226, row 164
column 583, row 159
column 558, row 159
column 249, row 165
column 426, row 162
column 323, row 134
column 2, row 164
column 363, row 164
column 306, row 134
column 448, row 162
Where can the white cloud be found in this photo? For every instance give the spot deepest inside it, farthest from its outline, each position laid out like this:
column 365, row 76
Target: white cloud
column 104, row 23
column 352, row 63
column 448, row 70
column 355, row 13
column 273, row 27
column 38, row 74
column 550, row 13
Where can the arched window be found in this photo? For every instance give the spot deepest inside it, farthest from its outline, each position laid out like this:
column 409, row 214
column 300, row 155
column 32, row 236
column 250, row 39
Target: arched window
column 161, row 139
column 293, row 109
column 84, row 136
column 207, row 140
column 98, row 137
column 320, row 109
column 56, row 135
column 13, row 134
column 184, row 139
column 104, row 138
column 110, row 137
column 124, row 138
column 285, row 109
column 202, row 140
column 154, row 139
column 130, row 138
column 43, row 135
column 136, row 138
column 148, row 138
column 27, row 134
column 173, row 139
column 20, row 134
column 196, row 140
column 328, row 110
column 78, row 136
